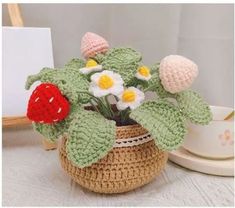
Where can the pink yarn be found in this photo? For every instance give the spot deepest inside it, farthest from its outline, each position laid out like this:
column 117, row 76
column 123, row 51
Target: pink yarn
column 92, row 44
column 177, row 73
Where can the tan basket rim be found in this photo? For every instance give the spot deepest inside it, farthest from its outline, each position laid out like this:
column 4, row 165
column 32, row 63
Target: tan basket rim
column 129, row 126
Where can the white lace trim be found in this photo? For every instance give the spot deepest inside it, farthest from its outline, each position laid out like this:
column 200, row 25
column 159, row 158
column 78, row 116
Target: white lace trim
column 133, row 141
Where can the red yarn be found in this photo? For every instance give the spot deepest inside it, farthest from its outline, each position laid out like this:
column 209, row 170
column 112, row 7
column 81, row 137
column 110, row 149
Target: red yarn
column 47, row 104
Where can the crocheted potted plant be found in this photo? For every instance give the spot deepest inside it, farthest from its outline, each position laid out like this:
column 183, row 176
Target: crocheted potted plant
column 112, row 140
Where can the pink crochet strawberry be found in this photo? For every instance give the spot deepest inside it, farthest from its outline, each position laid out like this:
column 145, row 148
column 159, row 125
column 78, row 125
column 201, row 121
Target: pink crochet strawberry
column 177, row 73
column 47, row 104
column 93, row 44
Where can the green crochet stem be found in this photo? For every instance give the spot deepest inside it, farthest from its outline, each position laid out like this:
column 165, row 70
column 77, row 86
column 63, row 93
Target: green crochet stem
column 102, row 103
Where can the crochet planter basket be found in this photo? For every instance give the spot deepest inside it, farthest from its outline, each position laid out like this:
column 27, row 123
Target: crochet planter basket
column 133, row 162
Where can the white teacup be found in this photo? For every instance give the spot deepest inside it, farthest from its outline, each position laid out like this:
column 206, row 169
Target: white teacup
column 215, row 140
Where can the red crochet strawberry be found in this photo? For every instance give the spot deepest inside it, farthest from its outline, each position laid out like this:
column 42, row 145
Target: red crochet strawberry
column 47, row 104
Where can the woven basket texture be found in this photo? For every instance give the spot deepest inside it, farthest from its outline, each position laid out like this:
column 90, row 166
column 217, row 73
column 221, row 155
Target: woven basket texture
column 123, row 168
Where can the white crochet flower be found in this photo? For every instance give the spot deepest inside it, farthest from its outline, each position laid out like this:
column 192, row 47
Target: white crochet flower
column 143, row 73
column 130, row 97
column 106, row 82
column 91, row 66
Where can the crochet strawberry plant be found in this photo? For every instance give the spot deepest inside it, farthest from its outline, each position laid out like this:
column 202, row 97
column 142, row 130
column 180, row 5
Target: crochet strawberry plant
column 59, row 105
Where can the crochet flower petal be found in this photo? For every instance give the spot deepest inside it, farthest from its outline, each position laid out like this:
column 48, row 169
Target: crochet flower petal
column 194, row 107
column 91, row 137
column 164, row 122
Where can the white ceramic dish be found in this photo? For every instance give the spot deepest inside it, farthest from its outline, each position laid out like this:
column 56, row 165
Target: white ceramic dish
column 204, row 165
column 215, row 140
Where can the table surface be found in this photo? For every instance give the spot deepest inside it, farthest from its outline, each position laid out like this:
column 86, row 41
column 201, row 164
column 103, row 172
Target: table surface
column 33, row 177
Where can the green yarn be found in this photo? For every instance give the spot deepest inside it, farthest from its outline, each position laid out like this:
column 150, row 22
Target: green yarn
column 124, row 61
column 194, row 107
column 70, row 82
column 155, row 68
column 99, row 58
column 52, row 132
column 154, row 84
column 90, row 138
column 164, row 122
column 75, row 63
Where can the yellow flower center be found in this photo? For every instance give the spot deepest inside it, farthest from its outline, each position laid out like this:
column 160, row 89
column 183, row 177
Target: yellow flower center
column 128, row 96
column 91, row 63
column 105, row 82
column 144, row 71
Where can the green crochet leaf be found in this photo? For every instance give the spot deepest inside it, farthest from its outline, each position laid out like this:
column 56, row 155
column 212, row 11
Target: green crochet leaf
column 70, row 82
column 99, row 57
column 154, row 84
column 75, row 63
column 194, row 107
column 90, row 138
column 124, row 61
column 52, row 132
column 164, row 122
column 155, row 67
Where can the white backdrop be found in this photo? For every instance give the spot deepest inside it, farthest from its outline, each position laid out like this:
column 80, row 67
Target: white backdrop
column 203, row 33
column 25, row 50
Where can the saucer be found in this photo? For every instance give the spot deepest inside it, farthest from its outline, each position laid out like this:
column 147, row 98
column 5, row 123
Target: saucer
column 188, row 160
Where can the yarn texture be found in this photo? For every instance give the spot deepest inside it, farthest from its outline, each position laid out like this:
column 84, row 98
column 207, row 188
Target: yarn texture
column 55, row 130
column 124, row 61
column 164, row 122
column 194, row 107
column 47, row 104
column 122, row 169
column 177, row 73
column 70, row 82
column 91, row 136
column 93, row 44
column 115, row 148
column 154, row 84
column 75, row 64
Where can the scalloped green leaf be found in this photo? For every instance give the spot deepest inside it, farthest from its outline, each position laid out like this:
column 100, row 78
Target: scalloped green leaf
column 124, row 61
column 164, row 122
column 52, row 132
column 70, row 82
column 194, row 107
column 75, row 63
column 90, row 138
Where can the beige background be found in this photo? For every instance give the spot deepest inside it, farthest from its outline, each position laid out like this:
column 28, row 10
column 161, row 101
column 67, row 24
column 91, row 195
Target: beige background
column 203, row 33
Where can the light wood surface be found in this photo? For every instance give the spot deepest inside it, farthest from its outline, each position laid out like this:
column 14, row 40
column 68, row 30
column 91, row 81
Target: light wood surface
column 229, row 116
column 48, row 145
column 15, row 121
column 33, row 177
column 15, row 15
